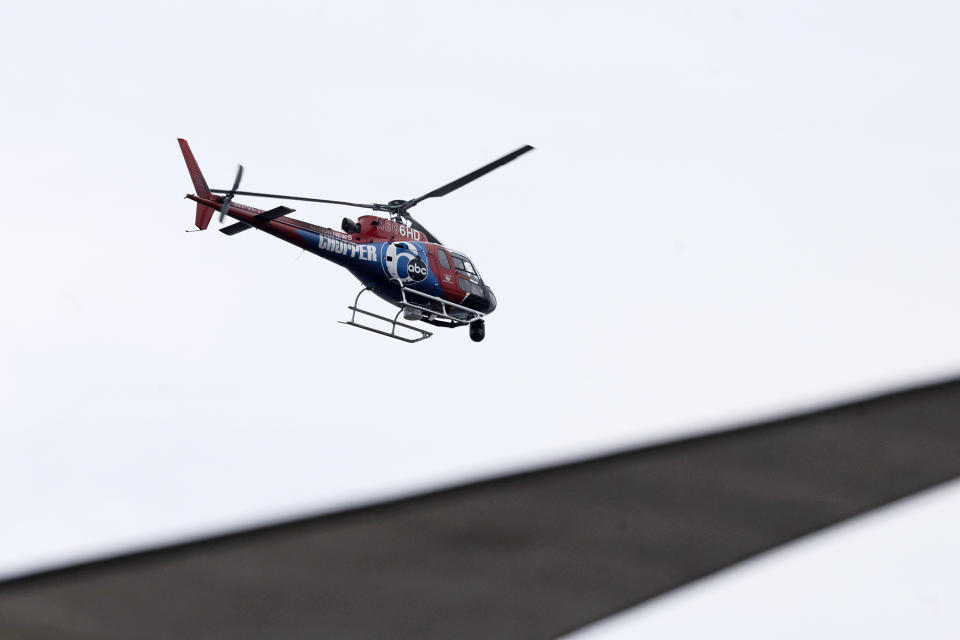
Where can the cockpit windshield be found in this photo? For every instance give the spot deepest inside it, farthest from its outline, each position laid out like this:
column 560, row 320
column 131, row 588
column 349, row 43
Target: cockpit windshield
column 465, row 268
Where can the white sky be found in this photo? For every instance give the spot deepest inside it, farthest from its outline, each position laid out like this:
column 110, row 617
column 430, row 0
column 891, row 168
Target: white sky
column 733, row 211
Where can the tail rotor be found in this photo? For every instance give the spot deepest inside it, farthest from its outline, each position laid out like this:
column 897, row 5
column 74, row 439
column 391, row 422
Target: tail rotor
column 229, row 197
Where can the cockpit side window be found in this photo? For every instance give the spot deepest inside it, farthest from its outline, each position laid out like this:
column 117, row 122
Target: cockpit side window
column 442, row 257
column 464, row 268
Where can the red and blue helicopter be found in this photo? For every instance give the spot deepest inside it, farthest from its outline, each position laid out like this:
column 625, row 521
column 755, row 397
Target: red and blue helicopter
column 394, row 257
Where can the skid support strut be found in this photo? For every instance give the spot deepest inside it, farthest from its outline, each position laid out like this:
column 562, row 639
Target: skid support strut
column 394, row 322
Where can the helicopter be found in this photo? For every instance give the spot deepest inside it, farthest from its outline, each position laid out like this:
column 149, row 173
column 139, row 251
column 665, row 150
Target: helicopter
column 395, row 257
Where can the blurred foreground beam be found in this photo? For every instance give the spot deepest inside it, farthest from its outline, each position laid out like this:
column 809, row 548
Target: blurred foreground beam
column 531, row 555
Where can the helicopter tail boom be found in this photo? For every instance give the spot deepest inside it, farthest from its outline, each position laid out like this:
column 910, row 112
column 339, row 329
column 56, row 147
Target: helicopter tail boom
column 204, row 212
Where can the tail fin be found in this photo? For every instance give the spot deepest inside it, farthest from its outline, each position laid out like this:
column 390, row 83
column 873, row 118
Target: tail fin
column 204, row 213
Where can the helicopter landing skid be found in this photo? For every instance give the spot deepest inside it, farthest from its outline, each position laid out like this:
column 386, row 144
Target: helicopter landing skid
column 394, row 323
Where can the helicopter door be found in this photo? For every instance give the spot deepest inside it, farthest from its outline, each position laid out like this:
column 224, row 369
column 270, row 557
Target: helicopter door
column 442, row 265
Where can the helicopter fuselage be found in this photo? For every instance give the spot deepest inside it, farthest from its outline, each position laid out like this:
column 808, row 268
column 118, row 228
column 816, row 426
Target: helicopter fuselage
column 383, row 254
column 396, row 258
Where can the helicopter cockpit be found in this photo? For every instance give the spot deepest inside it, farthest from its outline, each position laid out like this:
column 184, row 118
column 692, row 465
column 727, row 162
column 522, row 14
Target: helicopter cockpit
column 465, row 268
column 467, row 276
column 469, row 279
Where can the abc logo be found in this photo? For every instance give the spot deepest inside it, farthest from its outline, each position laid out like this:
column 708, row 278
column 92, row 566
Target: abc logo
column 416, row 270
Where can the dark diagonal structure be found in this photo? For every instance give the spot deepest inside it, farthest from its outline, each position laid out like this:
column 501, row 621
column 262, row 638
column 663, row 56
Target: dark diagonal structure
column 531, row 555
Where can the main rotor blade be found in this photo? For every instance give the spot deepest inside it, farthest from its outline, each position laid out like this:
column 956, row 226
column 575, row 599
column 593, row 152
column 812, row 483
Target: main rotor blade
column 375, row 207
column 422, row 229
column 470, row 177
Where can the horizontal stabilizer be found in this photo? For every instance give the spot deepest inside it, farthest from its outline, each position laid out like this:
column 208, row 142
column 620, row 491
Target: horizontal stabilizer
column 235, row 228
column 273, row 214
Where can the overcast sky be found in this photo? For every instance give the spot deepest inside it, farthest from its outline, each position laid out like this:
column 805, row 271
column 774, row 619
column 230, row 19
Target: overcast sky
column 734, row 211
